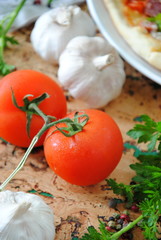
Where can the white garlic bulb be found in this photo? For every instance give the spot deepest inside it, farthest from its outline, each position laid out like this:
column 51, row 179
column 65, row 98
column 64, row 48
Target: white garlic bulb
column 91, row 69
column 25, row 216
column 55, row 28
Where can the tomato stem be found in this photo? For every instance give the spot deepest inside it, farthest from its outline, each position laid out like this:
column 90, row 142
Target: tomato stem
column 78, row 126
column 30, row 107
column 46, row 118
column 21, row 163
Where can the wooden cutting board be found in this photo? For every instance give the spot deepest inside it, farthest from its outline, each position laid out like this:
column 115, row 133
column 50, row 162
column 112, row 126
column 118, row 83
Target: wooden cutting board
column 76, row 207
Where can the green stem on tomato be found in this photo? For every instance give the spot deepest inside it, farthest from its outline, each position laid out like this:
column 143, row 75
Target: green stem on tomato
column 118, row 234
column 45, row 127
column 40, row 113
column 21, row 164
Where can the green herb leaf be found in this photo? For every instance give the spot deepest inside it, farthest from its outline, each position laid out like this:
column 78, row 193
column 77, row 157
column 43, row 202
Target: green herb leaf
column 41, row 193
column 10, row 40
column 5, row 68
column 93, row 234
column 122, row 190
column 156, row 19
column 150, row 132
column 151, row 210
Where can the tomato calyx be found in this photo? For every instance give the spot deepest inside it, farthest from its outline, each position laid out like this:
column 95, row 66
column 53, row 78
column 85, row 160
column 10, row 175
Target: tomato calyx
column 73, row 126
column 30, row 107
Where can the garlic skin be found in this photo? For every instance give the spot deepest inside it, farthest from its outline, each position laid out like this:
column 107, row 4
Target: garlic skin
column 91, row 70
column 25, row 216
column 55, row 28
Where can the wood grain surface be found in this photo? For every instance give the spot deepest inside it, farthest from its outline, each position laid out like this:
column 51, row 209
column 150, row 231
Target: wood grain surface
column 77, row 207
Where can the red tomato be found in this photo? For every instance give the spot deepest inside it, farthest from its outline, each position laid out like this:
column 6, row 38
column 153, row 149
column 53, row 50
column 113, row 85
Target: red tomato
column 137, row 5
column 89, row 156
column 13, row 120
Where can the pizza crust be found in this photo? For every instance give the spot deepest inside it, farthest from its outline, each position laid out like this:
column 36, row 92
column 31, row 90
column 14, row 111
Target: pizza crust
column 140, row 41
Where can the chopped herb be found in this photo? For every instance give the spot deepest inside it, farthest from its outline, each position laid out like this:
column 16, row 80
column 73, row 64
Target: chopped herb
column 156, row 19
column 41, row 193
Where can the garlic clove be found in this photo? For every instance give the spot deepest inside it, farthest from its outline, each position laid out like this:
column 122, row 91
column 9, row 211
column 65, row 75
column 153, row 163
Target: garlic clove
column 25, row 216
column 55, row 28
column 91, row 69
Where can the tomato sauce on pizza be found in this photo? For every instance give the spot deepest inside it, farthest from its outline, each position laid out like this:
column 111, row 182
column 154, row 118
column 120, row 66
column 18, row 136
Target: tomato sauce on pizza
column 136, row 5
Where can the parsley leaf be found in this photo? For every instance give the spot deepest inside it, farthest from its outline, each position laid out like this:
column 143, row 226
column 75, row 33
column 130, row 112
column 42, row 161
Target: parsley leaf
column 149, row 132
column 93, row 234
column 151, row 210
column 122, row 189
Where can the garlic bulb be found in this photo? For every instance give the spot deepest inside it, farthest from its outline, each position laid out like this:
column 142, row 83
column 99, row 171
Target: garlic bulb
column 91, row 69
column 25, row 216
column 55, row 28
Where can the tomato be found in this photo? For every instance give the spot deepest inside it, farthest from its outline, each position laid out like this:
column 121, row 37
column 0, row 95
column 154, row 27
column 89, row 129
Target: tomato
column 137, row 5
column 89, row 156
column 13, row 120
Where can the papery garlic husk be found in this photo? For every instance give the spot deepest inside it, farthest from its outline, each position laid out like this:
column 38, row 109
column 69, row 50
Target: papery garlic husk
column 25, row 216
column 54, row 29
column 91, row 70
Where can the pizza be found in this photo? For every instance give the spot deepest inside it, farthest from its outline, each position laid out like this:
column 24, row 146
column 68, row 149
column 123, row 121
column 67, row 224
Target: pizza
column 139, row 22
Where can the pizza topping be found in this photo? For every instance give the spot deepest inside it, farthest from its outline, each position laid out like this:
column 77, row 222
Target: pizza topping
column 149, row 26
column 156, row 35
column 149, row 8
column 156, row 20
column 138, row 5
column 152, row 8
column 146, row 13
